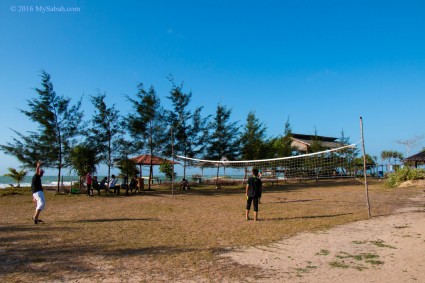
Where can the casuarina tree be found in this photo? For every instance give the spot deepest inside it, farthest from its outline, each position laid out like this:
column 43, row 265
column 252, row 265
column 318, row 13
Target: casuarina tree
column 147, row 124
column 105, row 131
column 253, row 139
column 59, row 124
column 189, row 128
column 224, row 136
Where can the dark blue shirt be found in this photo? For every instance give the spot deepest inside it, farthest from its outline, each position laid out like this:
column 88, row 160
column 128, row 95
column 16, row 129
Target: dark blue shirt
column 36, row 184
column 254, row 187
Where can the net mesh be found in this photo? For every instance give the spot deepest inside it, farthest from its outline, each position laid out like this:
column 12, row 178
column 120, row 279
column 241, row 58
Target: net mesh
column 332, row 163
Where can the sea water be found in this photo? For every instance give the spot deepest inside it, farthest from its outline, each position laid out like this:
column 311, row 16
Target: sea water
column 6, row 182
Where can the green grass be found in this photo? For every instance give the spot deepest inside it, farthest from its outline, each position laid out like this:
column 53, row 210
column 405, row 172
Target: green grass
column 323, row 252
column 381, row 244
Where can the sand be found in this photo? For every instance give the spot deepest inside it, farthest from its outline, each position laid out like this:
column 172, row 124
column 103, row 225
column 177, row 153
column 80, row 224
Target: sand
column 381, row 249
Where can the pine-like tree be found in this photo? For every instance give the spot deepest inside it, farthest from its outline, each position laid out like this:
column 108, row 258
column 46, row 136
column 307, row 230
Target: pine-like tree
column 105, row 130
column 59, row 124
column 147, row 124
column 224, row 137
column 282, row 146
column 253, row 139
column 189, row 129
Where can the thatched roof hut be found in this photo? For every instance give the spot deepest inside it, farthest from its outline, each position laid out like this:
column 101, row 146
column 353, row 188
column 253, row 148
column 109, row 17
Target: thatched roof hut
column 416, row 159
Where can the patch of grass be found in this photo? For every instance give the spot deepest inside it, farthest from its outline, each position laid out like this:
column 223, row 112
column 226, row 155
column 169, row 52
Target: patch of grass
column 360, row 267
column 375, row 262
column 343, row 255
column 323, row 252
column 380, row 243
column 363, row 257
column 359, row 242
column 369, row 256
column 338, row 264
column 401, row 226
column 14, row 191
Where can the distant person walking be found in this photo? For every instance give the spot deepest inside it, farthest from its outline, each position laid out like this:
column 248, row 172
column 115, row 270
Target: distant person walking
column 37, row 193
column 253, row 193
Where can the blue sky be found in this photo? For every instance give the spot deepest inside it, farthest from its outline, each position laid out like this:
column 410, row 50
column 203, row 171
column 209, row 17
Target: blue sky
column 323, row 64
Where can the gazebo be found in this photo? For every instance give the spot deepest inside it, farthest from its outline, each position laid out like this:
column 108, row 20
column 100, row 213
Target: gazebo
column 415, row 159
column 146, row 160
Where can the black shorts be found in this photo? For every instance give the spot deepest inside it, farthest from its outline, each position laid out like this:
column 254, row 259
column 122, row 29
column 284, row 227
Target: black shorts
column 252, row 200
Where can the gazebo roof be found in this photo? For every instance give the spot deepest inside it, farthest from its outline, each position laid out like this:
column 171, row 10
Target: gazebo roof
column 145, row 159
column 419, row 157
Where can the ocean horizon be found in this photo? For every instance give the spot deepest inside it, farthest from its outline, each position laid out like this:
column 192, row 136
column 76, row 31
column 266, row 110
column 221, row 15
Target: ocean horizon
column 6, row 182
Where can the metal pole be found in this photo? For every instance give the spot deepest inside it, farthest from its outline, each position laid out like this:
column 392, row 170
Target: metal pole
column 172, row 155
column 364, row 169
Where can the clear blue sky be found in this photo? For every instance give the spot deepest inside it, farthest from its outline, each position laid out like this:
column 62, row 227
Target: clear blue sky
column 323, row 64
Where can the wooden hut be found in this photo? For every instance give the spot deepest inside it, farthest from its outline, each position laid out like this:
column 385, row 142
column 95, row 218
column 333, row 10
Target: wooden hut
column 415, row 160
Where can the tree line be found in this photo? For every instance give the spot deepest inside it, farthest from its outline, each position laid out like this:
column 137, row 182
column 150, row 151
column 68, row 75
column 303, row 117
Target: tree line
column 63, row 139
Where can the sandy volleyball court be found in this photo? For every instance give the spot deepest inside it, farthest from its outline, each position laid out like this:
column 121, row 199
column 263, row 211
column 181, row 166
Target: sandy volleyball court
column 382, row 249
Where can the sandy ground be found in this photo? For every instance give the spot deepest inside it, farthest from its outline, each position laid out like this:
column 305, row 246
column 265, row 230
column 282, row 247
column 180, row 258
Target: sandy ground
column 382, row 249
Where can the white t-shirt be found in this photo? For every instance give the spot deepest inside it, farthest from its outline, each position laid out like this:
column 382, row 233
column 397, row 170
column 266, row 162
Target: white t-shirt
column 112, row 183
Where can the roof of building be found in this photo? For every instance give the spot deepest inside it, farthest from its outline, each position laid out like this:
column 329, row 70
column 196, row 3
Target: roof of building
column 312, row 137
column 146, row 159
column 417, row 157
column 328, row 142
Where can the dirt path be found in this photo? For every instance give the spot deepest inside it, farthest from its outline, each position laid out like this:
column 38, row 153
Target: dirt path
column 383, row 249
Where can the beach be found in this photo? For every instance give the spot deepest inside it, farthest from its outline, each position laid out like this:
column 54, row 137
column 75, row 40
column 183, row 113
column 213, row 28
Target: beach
column 381, row 249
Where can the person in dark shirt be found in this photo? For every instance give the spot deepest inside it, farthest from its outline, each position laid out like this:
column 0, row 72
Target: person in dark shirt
column 102, row 185
column 95, row 185
column 253, row 193
column 133, row 185
column 37, row 193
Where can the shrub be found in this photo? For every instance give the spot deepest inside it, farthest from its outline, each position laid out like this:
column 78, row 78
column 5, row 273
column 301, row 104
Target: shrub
column 404, row 174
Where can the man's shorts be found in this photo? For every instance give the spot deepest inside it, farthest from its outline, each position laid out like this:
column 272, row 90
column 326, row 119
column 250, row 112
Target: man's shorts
column 252, row 200
column 39, row 198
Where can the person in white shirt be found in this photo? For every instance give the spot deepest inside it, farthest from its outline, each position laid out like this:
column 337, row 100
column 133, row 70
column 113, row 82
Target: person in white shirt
column 112, row 183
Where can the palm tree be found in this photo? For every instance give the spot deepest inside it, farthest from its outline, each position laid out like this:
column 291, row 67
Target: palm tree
column 15, row 175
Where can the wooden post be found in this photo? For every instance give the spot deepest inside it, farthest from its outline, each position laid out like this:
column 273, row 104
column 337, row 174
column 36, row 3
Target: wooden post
column 364, row 169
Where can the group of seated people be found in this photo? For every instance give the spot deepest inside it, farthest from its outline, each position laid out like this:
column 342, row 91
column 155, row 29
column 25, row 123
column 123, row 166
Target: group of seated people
column 112, row 186
column 135, row 184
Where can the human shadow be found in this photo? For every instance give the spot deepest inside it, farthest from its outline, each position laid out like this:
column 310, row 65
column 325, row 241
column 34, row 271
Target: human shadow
column 306, row 217
column 101, row 220
column 291, row 201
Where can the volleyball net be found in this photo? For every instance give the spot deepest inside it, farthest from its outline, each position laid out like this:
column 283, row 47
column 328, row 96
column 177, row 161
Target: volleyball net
column 332, row 163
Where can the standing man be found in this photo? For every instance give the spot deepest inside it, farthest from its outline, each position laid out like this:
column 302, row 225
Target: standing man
column 37, row 192
column 253, row 193
column 89, row 182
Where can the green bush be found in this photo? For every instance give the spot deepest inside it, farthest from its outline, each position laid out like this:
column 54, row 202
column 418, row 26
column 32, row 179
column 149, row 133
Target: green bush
column 404, row 174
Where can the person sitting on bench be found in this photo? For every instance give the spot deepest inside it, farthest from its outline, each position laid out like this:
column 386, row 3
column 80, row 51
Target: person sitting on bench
column 184, row 185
